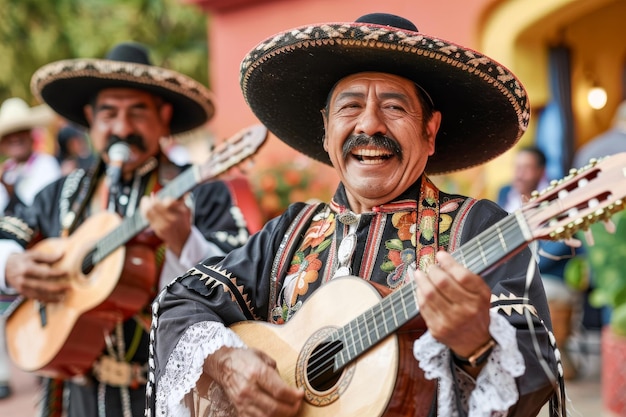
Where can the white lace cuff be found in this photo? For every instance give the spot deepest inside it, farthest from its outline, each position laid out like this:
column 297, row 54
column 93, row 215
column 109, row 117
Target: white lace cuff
column 494, row 391
column 185, row 364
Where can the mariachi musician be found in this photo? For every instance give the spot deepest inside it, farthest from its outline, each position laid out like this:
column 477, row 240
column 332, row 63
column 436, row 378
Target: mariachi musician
column 385, row 105
column 128, row 105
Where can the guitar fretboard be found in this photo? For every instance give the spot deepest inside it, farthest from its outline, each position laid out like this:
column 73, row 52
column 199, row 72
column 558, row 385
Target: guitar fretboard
column 479, row 254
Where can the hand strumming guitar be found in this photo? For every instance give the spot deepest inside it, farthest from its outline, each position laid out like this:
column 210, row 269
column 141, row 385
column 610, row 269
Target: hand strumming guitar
column 252, row 383
column 32, row 275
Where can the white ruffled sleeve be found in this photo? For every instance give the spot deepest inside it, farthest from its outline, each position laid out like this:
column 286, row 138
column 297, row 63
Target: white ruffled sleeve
column 493, row 392
column 184, row 368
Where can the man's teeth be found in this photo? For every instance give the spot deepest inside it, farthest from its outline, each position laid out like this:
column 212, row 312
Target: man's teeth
column 367, row 154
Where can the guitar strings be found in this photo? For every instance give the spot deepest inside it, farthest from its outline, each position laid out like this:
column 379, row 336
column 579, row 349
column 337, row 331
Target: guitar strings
column 379, row 317
column 323, row 361
column 319, row 364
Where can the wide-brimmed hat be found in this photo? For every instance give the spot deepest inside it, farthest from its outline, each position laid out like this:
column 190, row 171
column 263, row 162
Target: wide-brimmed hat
column 16, row 115
column 286, row 80
column 68, row 85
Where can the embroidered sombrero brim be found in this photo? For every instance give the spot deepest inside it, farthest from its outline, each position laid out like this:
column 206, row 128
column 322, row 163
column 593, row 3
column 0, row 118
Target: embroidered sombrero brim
column 66, row 86
column 286, row 80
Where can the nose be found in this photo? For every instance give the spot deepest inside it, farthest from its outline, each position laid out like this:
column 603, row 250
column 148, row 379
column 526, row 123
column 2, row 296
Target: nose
column 371, row 121
column 121, row 126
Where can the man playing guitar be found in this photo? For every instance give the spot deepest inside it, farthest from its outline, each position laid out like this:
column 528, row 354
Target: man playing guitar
column 291, row 324
column 129, row 104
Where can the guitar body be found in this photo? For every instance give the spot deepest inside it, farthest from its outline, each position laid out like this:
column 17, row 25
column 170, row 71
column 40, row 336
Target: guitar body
column 73, row 335
column 367, row 386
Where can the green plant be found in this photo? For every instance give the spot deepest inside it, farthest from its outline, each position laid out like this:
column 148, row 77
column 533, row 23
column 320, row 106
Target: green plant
column 606, row 261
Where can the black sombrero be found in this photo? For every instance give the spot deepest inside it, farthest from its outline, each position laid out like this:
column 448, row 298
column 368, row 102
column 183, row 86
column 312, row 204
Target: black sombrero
column 66, row 86
column 286, row 80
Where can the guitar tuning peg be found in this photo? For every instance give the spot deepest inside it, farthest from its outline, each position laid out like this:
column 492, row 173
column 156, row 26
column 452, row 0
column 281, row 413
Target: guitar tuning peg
column 609, row 226
column 588, row 237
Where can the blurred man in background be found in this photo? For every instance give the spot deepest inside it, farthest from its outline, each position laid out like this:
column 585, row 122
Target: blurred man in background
column 23, row 173
column 529, row 174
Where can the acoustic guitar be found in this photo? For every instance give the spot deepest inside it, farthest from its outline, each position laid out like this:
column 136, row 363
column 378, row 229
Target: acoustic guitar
column 355, row 359
column 110, row 281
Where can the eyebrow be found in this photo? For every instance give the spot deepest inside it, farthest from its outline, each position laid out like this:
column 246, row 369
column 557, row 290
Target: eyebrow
column 105, row 106
column 384, row 95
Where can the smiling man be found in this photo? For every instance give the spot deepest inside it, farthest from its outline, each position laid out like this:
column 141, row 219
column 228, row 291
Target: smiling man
column 395, row 105
column 122, row 100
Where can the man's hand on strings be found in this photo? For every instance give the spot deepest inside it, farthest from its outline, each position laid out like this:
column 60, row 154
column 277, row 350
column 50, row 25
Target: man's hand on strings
column 250, row 380
column 454, row 303
column 170, row 219
column 33, row 275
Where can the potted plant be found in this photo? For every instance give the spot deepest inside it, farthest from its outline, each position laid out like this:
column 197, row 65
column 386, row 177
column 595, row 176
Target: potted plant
column 605, row 259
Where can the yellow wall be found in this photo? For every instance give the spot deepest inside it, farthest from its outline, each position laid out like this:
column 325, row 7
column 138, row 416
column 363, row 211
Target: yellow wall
column 518, row 33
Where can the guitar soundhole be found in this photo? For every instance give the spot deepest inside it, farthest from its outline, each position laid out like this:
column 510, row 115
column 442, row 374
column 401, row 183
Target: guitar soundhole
column 320, row 368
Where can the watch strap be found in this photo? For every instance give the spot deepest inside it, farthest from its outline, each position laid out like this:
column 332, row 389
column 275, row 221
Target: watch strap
column 477, row 358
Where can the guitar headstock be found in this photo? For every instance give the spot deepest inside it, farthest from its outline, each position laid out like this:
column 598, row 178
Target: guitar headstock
column 232, row 151
column 586, row 196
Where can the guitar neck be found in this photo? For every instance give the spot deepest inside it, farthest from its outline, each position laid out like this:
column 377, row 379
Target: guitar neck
column 135, row 224
column 236, row 149
column 479, row 255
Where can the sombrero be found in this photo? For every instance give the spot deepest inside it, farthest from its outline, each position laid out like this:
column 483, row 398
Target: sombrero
column 286, row 80
column 66, row 86
column 16, row 115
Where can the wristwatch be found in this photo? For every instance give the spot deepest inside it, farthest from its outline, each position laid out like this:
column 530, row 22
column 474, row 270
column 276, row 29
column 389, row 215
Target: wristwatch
column 477, row 358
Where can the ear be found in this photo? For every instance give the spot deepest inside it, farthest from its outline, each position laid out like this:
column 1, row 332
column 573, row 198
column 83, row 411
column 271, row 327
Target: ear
column 325, row 119
column 88, row 110
column 165, row 111
column 432, row 127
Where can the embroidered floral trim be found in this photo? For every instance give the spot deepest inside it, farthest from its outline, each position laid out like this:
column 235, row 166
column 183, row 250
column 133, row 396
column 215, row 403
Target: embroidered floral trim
column 305, row 266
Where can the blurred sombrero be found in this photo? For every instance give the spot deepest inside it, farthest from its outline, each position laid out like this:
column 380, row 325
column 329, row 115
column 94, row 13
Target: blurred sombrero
column 286, row 80
column 16, row 115
column 67, row 85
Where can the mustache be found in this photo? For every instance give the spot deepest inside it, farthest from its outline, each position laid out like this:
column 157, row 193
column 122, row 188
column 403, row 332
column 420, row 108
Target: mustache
column 377, row 140
column 133, row 139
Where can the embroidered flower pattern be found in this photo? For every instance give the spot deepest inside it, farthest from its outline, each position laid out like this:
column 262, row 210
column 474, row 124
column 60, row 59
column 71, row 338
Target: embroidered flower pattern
column 408, row 231
column 402, row 254
column 305, row 266
column 318, row 232
column 400, row 257
column 304, row 274
column 406, row 225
